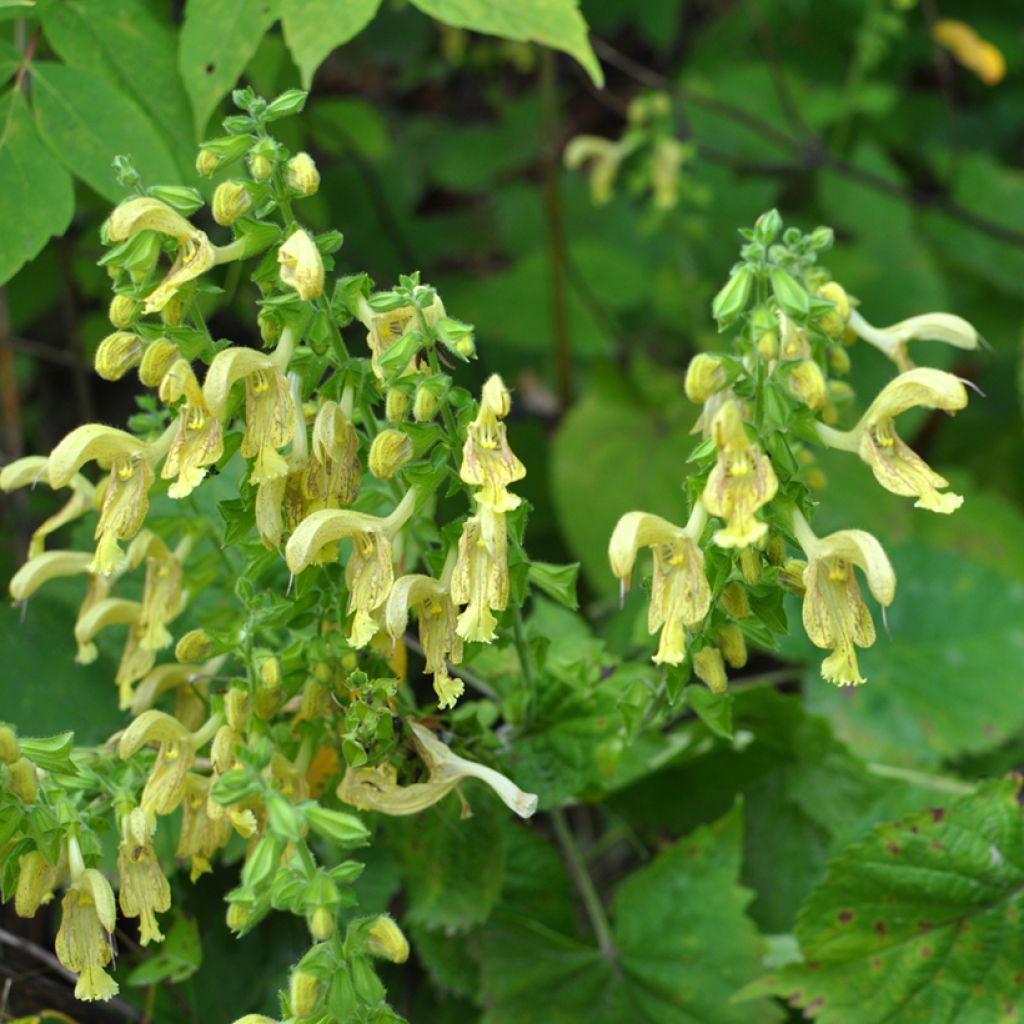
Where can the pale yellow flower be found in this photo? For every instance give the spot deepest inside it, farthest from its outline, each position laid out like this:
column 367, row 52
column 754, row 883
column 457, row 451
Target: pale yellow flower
column 487, row 459
column 198, row 440
column 480, row 578
column 144, row 890
column 165, row 786
column 302, row 267
column 953, row 330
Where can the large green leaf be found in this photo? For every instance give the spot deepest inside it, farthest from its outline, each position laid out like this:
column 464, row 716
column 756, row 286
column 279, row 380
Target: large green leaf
column 87, row 121
column 218, row 38
column 313, row 28
column 683, row 947
column 555, row 23
column 36, row 196
column 947, row 682
column 921, row 922
column 127, row 42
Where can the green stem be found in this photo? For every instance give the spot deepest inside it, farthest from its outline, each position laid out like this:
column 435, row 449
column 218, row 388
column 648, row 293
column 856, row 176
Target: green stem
column 940, row 783
column 584, row 883
column 446, row 413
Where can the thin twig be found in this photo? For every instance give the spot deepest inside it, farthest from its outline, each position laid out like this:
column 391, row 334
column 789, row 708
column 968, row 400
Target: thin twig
column 456, row 670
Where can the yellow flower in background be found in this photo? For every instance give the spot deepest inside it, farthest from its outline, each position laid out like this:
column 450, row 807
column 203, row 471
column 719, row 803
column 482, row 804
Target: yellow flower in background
column 144, row 890
column 437, row 628
column 377, row 789
column 201, row 836
column 896, row 466
column 302, row 267
column 45, row 567
column 605, row 157
column 680, row 594
column 84, row 943
column 834, row 613
column 195, row 255
column 741, row 482
column 953, row 330
column 198, row 440
column 480, row 577
column 968, row 49
column 487, row 459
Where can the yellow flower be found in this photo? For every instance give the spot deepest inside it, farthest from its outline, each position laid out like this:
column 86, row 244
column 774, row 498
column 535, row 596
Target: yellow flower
column 37, row 878
column 45, row 567
column 201, row 836
column 896, row 466
column 117, row 354
column 438, row 635
column 270, row 420
column 369, row 573
column 302, row 267
column 161, row 597
column 390, row 451
column 144, row 891
column 385, row 939
column 741, row 482
column 86, row 926
column 198, row 440
column 487, row 459
column 834, row 613
column 710, row 670
column 302, row 175
column 680, row 594
column 195, row 254
column 376, row 789
column 27, row 472
column 480, row 578
column 165, row 786
column 985, row 59
column 387, row 328
column 953, row 330
column 704, row 377
column 604, row 156
column 332, row 474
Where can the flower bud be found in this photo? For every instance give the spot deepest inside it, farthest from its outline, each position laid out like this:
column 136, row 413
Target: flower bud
column 195, row 645
column 156, row 361
column 270, row 327
column 173, row 312
column 323, row 671
column 385, row 939
column 768, row 345
column 8, row 745
column 424, row 406
column 301, row 266
column 230, row 201
column 833, row 323
column 466, row 347
column 734, row 600
column 396, row 405
column 266, row 701
column 733, row 646
column 304, row 993
column 321, row 924
column 710, row 669
column 122, row 310
column 222, row 749
column 807, row 383
column 117, row 354
column 24, row 783
column 391, row 449
column 237, row 708
column 775, row 550
column 704, row 376
column 750, row 565
column 302, row 175
column 260, row 166
column 237, row 917
column 791, row 576
column 36, row 881
column 839, row 360
column 206, row 162
column 270, row 672
column 314, row 700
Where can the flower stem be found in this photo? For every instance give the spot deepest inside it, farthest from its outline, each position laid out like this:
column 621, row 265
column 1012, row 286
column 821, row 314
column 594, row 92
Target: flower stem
column 940, row 783
column 584, row 883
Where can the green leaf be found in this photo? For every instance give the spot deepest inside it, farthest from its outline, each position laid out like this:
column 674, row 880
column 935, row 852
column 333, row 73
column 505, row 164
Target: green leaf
column 920, row 922
column 218, row 38
column 713, row 709
column 945, row 684
column 683, row 942
column 555, row 23
column 52, row 753
column 125, row 41
column 36, row 196
column 313, row 28
column 87, row 121
column 454, row 867
column 178, row 957
column 10, row 60
column 557, row 581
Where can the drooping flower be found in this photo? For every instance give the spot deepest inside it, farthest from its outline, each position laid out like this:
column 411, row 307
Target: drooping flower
column 480, row 578
column 144, row 890
column 741, row 482
column 37, row 878
column 201, row 836
column 332, row 474
column 302, row 267
column 487, row 459
column 198, row 441
column 985, row 59
column 87, row 922
column 680, row 594
column 195, row 255
column 834, row 613
column 953, row 330
column 165, row 785
column 369, row 572
column 437, row 628
column 377, row 789
column 896, row 466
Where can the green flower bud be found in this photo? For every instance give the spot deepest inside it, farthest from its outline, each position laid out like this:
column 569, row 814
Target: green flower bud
column 733, row 297
column 230, row 201
column 156, row 361
column 173, row 312
column 195, row 645
column 424, row 406
column 321, row 924
column 791, row 576
column 776, row 550
column 24, row 782
column 260, row 166
column 750, row 565
column 314, row 699
column 733, row 646
column 270, row 327
column 839, row 361
column 237, row 708
column 302, row 175
column 710, row 669
column 807, row 383
column 396, row 405
column 122, row 310
column 385, row 939
column 237, row 917
column 391, row 449
column 734, row 600
column 304, row 993
column 8, row 745
column 206, row 162
column 704, row 376
column 768, row 345
column 117, row 354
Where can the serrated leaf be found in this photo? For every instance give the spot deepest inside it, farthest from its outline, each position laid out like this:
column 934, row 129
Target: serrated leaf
column 36, row 195
column 87, row 121
column 555, row 23
column 129, row 44
column 218, row 38
column 313, row 28
column 921, row 922
column 713, row 709
column 683, row 946
column 557, row 581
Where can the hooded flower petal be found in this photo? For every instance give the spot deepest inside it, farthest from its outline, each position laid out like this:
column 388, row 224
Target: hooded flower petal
column 165, row 786
column 487, row 459
column 87, row 443
column 47, row 566
column 147, row 214
column 302, row 267
column 84, row 939
column 480, row 578
column 953, row 330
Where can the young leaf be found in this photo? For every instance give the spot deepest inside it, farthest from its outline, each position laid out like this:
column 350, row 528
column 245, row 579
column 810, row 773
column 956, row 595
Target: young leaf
column 313, row 28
